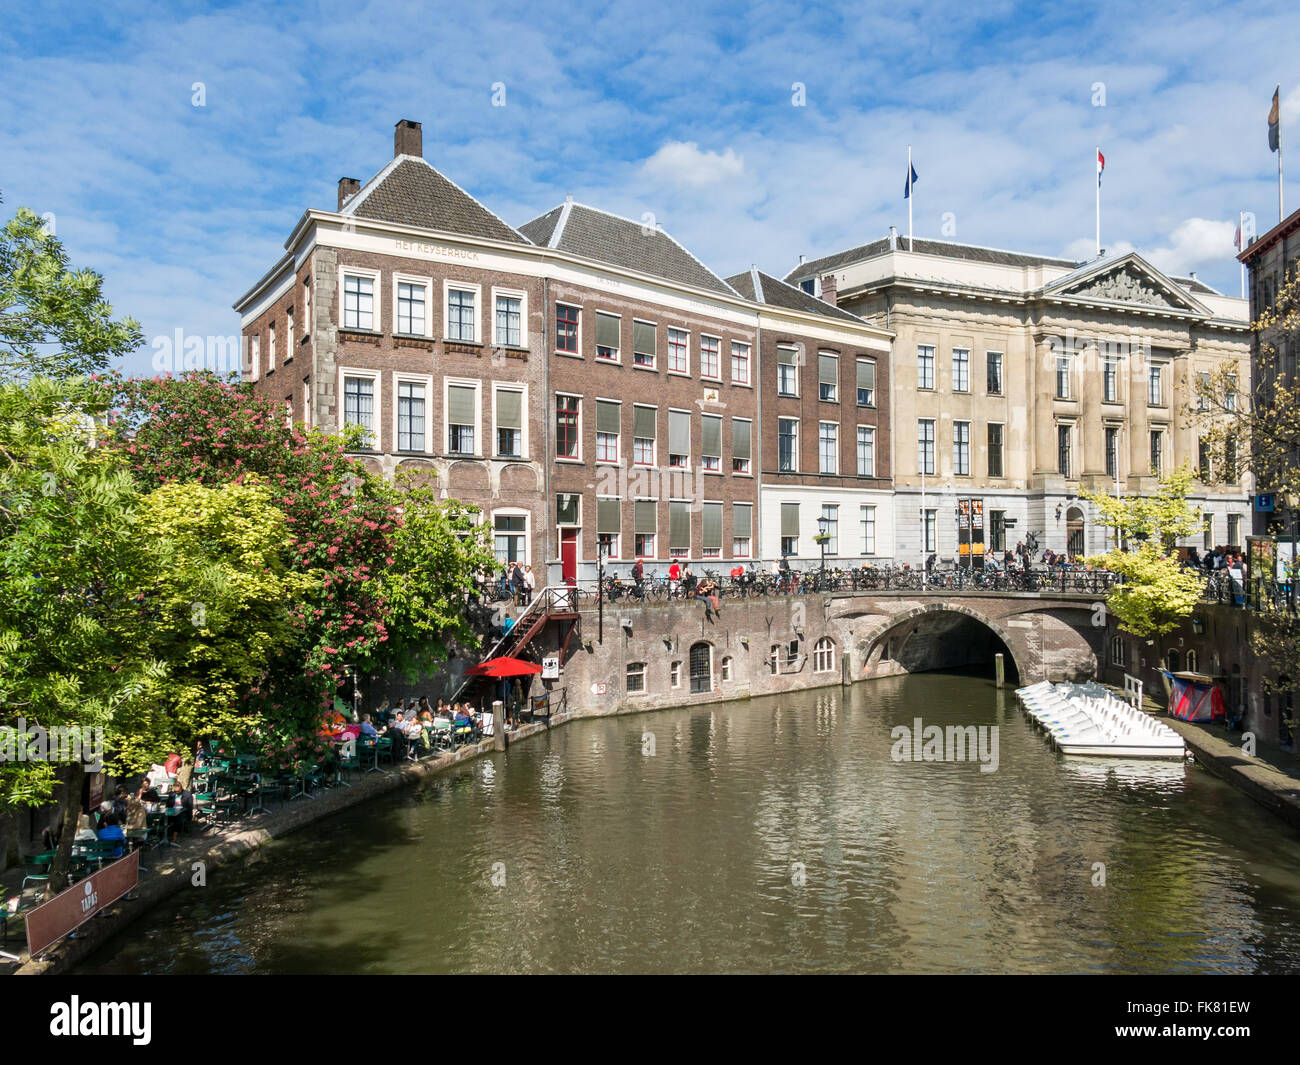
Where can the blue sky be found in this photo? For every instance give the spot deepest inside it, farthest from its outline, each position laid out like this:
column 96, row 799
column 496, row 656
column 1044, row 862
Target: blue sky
column 681, row 110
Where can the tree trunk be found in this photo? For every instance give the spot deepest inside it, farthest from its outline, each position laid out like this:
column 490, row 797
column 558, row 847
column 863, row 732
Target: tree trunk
column 71, row 814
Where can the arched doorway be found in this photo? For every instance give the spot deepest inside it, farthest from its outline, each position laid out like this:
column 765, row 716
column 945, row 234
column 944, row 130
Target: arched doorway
column 1074, row 532
column 701, row 668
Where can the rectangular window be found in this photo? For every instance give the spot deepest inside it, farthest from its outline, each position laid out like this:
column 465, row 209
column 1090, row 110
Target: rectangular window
column 1112, row 452
column 1063, row 377
column 675, row 674
column 828, row 446
column 867, row 517
column 961, row 449
column 359, row 406
column 255, row 358
column 510, row 321
column 679, row 439
column 270, row 348
column 1230, row 393
column 993, row 362
column 742, row 529
column 566, row 328
column 830, row 520
column 679, row 353
column 924, row 366
column 828, row 377
column 461, row 315
column 645, row 545
column 1110, row 379
column 607, row 336
column 997, row 530
column 1155, row 384
column 710, row 357
column 609, row 526
column 925, row 445
column 711, row 441
column 608, row 415
column 961, row 369
column 358, row 302
column 679, row 529
column 510, row 423
column 1064, row 434
column 789, row 528
column 568, row 509
column 995, row 449
column 636, row 677
column 866, row 451
column 930, row 530
column 288, row 337
column 787, row 371
column 643, row 435
column 410, row 416
column 462, row 407
column 1234, row 530
column 866, row 383
column 510, row 537
column 739, row 363
column 787, row 445
column 1157, row 451
column 1203, row 461
column 1207, row 532
column 711, row 530
column 740, row 445
column 568, row 410
column 643, row 344
column 645, row 518
column 410, row 308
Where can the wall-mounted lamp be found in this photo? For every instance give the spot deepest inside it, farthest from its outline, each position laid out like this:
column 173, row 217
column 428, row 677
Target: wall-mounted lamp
column 627, row 625
column 1058, row 511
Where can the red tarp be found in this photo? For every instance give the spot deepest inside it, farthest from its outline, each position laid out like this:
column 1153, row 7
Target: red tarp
column 1193, row 697
column 504, row 667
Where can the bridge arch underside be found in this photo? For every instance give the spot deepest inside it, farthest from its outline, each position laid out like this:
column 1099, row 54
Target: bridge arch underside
column 940, row 639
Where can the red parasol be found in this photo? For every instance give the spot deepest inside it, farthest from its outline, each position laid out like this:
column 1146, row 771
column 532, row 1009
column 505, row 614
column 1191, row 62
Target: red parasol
column 504, row 667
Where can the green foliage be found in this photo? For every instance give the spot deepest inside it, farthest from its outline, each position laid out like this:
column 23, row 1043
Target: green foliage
column 1163, row 518
column 1156, row 593
column 54, row 320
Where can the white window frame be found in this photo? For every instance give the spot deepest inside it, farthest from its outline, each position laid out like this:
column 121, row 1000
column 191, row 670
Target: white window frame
column 255, row 357
column 288, row 336
column 419, row 379
column 617, row 460
column 690, row 425
column 705, row 376
column 653, row 364
column 965, row 363
column 617, row 360
column 635, row 669
column 747, row 359
column 797, row 363
column 306, row 404
column 824, row 655
column 930, row 530
column 270, row 347
column 1002, row 372
column 420, row 282
column 833, row 522
column 376, row 302
column 522, row 297
column 749, row 470
column 477, row 385
column 927, row 468
column 513, row 512
column 344, row 372
column 448, row 285
column 835, row 398
column 868, row 527
column 1156, row 375
column 933, row 367
column 795, row 452
column 668, row 361
column 955, row 471
column 725, row 669
column 870, row 432
column 510, row 386
column 654, row 440
column 835, row 453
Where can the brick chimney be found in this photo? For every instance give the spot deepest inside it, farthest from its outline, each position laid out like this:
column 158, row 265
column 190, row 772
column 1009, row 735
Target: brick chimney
column 348, row 187
column 407, row 139
column 828, row 290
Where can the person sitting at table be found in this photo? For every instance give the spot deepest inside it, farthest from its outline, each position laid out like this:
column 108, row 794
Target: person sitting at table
column 85, row 829
column 112, row 830
column 119, row 804
column 135, row 812
column 51, row 837
column 367, row 729
column 183, row 799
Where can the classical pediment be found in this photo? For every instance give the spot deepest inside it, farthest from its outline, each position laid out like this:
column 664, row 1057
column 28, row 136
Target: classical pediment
column 1129, row 280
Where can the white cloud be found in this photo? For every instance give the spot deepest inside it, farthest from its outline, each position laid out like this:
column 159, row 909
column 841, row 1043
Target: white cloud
column 1193, row 243
column 683, row 163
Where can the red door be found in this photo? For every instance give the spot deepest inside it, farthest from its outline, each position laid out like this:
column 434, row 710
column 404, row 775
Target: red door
column 569, row 555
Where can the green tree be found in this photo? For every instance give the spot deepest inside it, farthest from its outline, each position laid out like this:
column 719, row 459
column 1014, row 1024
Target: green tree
column 54, row 320
column 1155, row 592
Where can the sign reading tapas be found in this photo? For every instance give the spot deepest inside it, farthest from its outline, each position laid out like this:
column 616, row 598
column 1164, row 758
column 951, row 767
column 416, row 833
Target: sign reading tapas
column 69, row 909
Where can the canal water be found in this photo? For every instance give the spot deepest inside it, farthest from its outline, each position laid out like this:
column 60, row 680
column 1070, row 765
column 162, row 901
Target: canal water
column 776, row 834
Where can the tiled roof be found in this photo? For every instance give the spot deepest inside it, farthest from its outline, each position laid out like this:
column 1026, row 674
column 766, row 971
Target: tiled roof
column 411, row 192
column 607, row 238
column 755, row 285
column 829, row 263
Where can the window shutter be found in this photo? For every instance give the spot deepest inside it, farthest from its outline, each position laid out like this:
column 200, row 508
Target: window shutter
column 740, row 439
column 712, row 433
column 643, row 422
column 785, row 356
column 644, row 518
column 742, row 518
column 608, row 519
column 679, row 432
column 789, row 519
column 712, row 534
column 606, row 330
column 460, row 405
column 510, row 410
column 679, row 525
column 607, row 416
column 643, row 338
column 867, row 374
column 828, row 369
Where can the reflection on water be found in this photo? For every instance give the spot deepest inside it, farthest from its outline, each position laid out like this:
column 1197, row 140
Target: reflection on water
column 773, row 834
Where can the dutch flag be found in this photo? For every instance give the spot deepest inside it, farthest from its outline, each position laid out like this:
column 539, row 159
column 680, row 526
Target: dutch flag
column 1101, row 165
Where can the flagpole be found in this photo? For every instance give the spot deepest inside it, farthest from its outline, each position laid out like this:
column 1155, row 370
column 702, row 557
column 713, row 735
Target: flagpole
column 1241, row 246
column 1281, row 210
column 1095, row 164
column 909, row 194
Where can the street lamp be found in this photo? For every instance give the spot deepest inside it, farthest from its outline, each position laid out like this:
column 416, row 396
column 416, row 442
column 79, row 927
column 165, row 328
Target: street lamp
column 601, row 548
column 823, row 525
